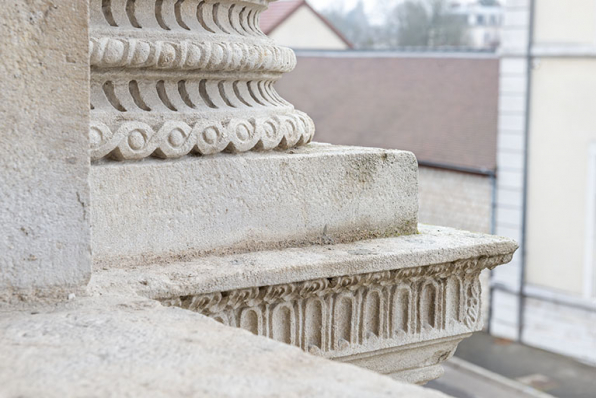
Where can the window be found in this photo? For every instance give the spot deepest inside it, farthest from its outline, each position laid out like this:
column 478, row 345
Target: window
column 480, row 19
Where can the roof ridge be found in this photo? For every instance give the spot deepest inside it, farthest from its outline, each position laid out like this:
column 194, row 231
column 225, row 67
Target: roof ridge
column 272, row 21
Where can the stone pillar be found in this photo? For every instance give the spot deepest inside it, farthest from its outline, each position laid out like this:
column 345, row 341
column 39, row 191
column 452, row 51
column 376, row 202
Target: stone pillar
column 171, row 77
column 44, row 107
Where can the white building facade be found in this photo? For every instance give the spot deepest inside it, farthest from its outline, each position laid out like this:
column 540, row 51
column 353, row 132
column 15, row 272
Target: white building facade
column 484, row 23
column 547, row 177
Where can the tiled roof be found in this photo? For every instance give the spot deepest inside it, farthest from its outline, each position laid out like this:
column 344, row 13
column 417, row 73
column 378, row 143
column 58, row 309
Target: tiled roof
column 442, row 109
column 278, row 11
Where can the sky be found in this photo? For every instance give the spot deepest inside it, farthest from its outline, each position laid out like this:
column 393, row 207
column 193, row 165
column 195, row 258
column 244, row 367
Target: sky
column 371, row 6
column 347, row 4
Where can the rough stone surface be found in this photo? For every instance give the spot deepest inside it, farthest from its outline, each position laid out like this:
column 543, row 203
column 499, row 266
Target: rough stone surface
column 123, row 347
column 44, row 105
column 171, row 78
column 314, row 194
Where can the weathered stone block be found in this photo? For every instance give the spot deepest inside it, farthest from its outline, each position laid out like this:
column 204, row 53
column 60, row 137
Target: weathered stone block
column 316, row 247
column 225, row 203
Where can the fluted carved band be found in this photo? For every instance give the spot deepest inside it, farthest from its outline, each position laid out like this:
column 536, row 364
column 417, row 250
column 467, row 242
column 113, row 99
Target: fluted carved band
column 217, row 17
column 356, row 313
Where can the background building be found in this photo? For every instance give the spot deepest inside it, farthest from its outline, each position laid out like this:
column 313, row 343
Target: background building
column 449, row 120
column 286, row 17
column 483, row 22
column 547, row 176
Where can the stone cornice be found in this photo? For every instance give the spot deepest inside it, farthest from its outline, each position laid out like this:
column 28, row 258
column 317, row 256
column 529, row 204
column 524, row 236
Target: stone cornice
column 213, row 303
column 395, row 305
column 355, row 314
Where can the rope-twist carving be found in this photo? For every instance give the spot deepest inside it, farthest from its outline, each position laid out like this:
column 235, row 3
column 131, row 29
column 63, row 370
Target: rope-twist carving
column 135, row 140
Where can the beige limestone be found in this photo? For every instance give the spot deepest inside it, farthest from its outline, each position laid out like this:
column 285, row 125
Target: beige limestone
column 171, row 78
column 133, row 347
column 432, row 245
column 314, row 194
column 174, row 77
column 44, row 194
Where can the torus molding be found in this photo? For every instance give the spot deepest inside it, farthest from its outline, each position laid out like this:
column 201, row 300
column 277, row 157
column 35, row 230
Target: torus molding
column 342, row 316
column 109, row 52
column 138, row 140
column 176, row 77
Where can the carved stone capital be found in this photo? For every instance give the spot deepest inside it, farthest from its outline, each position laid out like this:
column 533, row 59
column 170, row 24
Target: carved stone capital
column 176, row 77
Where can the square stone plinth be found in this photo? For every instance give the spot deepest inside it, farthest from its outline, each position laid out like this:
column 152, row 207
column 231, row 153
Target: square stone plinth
column 157, row 210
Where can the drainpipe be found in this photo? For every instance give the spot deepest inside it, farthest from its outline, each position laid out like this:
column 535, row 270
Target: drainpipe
column 522, row 294
column 493, row 231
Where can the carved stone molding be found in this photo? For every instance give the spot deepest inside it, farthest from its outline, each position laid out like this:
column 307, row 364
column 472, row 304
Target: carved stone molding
column 176, row 77
column 357, row 314
column 397, row 306
column 218, row 56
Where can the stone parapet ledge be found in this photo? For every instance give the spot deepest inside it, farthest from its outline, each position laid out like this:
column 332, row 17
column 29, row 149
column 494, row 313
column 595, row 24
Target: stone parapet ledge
column 113, row 346
column 176, row 77
column 398, row 305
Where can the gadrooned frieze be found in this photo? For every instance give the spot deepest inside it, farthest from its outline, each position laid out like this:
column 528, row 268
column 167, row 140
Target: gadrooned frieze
column 349, row 315
column 116, row 52
column 176, row 77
